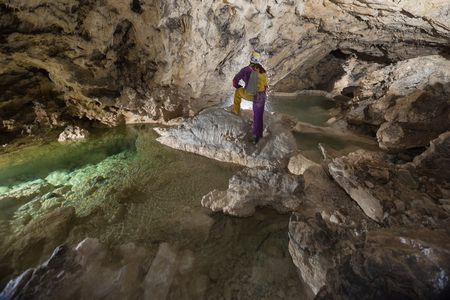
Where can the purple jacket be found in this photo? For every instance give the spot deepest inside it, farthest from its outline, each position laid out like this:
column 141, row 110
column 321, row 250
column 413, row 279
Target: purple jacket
column 243, row 74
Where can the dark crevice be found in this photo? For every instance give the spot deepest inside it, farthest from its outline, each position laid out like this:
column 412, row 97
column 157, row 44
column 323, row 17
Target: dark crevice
column 136, row 7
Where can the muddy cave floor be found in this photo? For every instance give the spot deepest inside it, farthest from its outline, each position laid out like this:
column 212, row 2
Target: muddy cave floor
column 121, row 186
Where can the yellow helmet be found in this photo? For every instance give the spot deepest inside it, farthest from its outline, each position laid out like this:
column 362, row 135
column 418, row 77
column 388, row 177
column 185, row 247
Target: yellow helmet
column 255, row 58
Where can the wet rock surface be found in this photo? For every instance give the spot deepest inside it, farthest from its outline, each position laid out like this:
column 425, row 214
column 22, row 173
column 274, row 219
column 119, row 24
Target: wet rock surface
column 72, row 134
column 256, row 187
column 221, row 135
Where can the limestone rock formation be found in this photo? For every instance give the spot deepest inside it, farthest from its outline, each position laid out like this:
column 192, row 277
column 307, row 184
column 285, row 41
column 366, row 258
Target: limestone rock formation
column 298, row 164
column 314, row 74
column 329, row 238
column 325, row 229
column 73, row 134
column 153, row 60
column 407, row 103
column 221, row 135
column 420, row 258
column 349, row 181
column 435, row 160
column 256, row 187
column 402, row 194
column 130, row 61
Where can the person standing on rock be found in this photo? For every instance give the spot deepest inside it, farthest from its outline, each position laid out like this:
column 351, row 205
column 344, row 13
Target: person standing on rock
column 255, row 78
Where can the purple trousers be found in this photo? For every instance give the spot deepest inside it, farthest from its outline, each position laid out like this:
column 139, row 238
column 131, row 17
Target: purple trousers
column 259, row 102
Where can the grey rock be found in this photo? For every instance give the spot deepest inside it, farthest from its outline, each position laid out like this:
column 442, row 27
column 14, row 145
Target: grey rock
column 161, row 273
column 419, row 267
column 223, row 136
column 255, row 187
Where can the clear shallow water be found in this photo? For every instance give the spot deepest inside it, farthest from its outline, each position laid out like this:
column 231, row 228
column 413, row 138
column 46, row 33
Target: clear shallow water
column 37, row 161
column 308, row 144
column 309, row 109
column 315, row 110
column 126, row 187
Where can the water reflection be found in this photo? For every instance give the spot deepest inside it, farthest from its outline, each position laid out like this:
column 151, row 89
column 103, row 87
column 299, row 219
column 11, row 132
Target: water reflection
column 310, row 109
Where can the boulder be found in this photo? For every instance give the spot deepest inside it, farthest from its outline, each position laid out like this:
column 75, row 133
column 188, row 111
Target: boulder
column 254, row 187
column 343, row 173
column 394, row 264
column 317, row 245
column 416, row 119
column 405, row 103
column 435, row 160
column 393, row 193
column 298, row 164
column 221, row 135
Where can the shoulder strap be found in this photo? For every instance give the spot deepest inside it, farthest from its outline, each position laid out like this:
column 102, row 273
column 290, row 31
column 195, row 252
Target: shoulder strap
column 252, row 85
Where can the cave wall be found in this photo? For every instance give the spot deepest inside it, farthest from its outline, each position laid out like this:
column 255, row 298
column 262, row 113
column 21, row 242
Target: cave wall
column 152, row 60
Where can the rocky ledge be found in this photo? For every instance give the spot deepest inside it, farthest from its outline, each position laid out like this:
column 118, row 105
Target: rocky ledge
column 221, row 135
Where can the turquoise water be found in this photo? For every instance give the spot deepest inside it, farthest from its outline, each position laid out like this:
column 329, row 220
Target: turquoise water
column 37, row 161
column 126, row 187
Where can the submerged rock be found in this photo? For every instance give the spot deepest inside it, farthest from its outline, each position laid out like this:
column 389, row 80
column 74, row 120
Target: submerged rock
column 72, row 134
column 161, row 273
column 223, row 136
column 85, row 272
column 23, row 193
column 255, row 187
column 39, row 236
